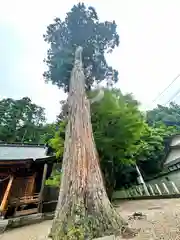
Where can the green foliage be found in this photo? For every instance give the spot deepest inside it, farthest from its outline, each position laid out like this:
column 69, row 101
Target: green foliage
column 123, row 138
column 81, row 27
column 170, row 115
column 57, row 142
column 21, row 121
column 163, row 123
column 150, row 156
column 117, row 125
column 47, row 132
column 64, row 111
column 55, row 179
column 75, row 233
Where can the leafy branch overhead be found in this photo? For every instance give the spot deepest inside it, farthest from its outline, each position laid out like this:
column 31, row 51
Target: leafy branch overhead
column 81, row 27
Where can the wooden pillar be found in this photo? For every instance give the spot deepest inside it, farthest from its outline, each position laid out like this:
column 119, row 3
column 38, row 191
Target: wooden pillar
column 30, row 185
column 6, row 195
column 42, row 187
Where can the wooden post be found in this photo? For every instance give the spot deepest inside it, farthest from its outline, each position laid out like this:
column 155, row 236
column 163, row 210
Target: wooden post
column 175, row 189
column 6, row 195
column 42, row 187
column 158, row 189
column 165, row 188
column 151, row 190
column 30, row 185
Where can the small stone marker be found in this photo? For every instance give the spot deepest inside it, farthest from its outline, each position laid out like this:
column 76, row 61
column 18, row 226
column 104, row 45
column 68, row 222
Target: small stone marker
column 112, row 237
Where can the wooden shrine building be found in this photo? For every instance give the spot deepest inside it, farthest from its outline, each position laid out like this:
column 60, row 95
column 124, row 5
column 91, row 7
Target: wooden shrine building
column 23, row 172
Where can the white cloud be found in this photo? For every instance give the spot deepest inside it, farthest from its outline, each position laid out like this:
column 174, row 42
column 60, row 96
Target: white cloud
column 147, row 59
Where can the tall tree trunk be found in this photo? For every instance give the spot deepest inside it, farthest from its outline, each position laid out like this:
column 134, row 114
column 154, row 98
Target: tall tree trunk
column 83, row 210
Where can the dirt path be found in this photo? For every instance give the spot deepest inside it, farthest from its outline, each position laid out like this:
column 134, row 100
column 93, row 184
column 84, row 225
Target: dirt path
column 162, row 221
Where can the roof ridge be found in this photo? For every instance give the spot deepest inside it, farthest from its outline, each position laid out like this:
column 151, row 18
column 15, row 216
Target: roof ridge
column 21, row 145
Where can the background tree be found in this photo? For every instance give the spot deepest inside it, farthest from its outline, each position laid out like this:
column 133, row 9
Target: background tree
column 47, row 132
column 21, row 120
column 117, row 125
column 64, row 111
column 81, row 27
column 168, row 115
column 123, row 138
column 57, row 142
column 153, row 147
column 150, row 155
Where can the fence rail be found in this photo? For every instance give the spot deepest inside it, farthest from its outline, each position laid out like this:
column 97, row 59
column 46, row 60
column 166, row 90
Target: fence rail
column 161, row 189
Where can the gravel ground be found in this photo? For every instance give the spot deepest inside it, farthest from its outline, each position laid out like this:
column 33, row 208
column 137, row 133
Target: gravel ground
column 161, row 221
column 162, row 218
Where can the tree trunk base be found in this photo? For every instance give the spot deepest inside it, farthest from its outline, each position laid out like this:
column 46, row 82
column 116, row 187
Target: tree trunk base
column 78, row 224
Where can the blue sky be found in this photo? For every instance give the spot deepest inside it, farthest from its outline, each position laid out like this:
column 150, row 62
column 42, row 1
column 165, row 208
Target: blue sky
column 148, row 57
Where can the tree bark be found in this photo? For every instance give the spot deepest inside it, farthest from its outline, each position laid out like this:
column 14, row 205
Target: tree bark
column 83, row 210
